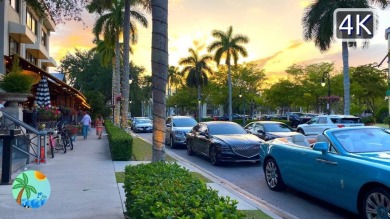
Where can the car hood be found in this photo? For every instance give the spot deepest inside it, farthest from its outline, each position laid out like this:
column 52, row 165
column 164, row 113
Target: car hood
column 283, row 134
column 238, row 139
column 183, row 129
column 377, row 157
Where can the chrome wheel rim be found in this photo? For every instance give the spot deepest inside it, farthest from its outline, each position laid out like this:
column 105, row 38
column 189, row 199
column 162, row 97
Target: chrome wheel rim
column 171, row 142
column 377, row 206
column 271, row 174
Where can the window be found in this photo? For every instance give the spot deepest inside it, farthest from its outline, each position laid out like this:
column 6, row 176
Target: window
column 43, row 38
column 31, row 58
column 13, row 47
column 31, row 23
column 14, row 4
column 322, row 120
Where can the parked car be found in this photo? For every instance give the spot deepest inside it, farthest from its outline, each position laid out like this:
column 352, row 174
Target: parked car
column 318, row 124
column 142, row 124
column 347, row 167
column 268, row 130
column 177, row 129
column 297, row 118
column 223, row 141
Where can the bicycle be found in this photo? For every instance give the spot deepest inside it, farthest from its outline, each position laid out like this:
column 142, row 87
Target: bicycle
column 55, row 142
column 66, row 136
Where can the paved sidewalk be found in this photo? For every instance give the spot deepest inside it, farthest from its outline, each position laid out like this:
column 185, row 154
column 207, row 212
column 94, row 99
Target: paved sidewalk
column 82, row 183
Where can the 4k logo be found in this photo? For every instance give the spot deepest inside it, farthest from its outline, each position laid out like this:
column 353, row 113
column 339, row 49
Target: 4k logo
column 354, row 23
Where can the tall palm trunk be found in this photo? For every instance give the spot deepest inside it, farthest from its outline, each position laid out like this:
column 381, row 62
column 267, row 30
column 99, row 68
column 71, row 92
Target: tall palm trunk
column 113, row 90
column 117, row 76
column 230, row 90
column 347, row 83
column 159, row 75
column 125, row 82
column 199, row 104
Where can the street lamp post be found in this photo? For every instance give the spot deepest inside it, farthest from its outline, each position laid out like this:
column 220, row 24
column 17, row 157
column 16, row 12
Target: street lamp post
column 130, row 81
column 326, row 74
column 243, row 103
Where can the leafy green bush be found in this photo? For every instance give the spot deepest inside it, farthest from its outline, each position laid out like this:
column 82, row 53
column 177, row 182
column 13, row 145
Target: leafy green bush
column 368, row 119
column 165, row 190
column 386, row 120
column 120, row 142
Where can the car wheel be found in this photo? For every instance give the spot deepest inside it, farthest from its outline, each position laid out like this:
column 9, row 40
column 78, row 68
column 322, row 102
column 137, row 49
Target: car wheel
column 213, row 156
column 273, row 176
column 301, row 131
column 171, row 142
column 189, row 149
column 376, row 203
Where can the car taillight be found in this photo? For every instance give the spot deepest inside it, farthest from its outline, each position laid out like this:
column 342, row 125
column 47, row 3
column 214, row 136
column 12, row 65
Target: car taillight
column 340, row 126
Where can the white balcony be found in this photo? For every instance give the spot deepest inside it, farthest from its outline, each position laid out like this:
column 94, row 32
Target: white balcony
column 49, row 62
column 21, row 33
column 38, row 51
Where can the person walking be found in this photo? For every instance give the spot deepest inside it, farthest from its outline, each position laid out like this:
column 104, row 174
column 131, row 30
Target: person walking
column 86, row 122
column 99, row 126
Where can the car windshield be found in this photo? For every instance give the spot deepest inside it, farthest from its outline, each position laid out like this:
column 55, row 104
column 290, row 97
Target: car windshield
column 345, row 120
column 225, row 129
column 364, row 140
column 143, row 121
column 184, row 122
column 276, row 127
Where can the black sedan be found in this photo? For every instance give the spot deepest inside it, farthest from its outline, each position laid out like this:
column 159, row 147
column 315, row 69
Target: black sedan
column 223, row 142
column 268, row 130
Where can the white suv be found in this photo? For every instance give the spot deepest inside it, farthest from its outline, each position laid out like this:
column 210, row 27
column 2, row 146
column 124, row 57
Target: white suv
column 177, row 129
column 318, row 124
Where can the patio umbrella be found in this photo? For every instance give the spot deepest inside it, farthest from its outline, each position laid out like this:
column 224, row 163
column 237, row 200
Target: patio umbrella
column 42, row 98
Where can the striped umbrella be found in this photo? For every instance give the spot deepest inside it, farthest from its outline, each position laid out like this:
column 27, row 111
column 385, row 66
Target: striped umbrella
column 42, row 98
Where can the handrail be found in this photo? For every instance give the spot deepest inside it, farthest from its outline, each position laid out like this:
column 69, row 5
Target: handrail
column 37, row 148
column 22, row 124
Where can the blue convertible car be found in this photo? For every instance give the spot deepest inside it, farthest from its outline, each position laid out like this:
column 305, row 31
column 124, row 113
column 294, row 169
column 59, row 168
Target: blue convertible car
column 348, row 167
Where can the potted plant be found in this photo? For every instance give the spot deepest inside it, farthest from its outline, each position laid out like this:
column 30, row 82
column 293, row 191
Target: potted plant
column 16, row 85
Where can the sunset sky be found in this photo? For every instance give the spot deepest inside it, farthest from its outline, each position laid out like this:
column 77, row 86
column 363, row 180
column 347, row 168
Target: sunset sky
column 273, row 27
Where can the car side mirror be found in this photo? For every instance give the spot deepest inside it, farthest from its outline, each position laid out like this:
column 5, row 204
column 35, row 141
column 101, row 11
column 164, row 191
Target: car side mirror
column 203, row 134
column 321, row 146
column 169, row 125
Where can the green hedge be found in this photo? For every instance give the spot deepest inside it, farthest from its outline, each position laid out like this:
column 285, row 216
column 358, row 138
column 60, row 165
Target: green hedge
column 120, row 142
column 165, row 190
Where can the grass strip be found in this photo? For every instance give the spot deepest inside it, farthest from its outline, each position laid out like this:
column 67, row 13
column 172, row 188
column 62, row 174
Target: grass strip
column 142, row 151
column 120, row 177
column 250, row 214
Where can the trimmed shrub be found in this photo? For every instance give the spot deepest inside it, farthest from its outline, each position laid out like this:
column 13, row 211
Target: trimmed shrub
column 120, row 142
column 165, row 190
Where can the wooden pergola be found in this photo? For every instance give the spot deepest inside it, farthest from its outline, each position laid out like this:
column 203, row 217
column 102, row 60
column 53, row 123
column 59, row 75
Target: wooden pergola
column 61, row 94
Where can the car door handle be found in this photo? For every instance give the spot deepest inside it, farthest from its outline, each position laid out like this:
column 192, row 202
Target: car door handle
column 326, row 161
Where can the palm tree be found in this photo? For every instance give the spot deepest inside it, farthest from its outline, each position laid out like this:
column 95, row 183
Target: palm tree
column 196, row 69
column 24, row 186
column 159, row 75
column 227, row 45
column 318, row 26
column 110, row 25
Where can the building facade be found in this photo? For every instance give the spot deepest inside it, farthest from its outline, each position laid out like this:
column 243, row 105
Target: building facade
column 26, row 35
